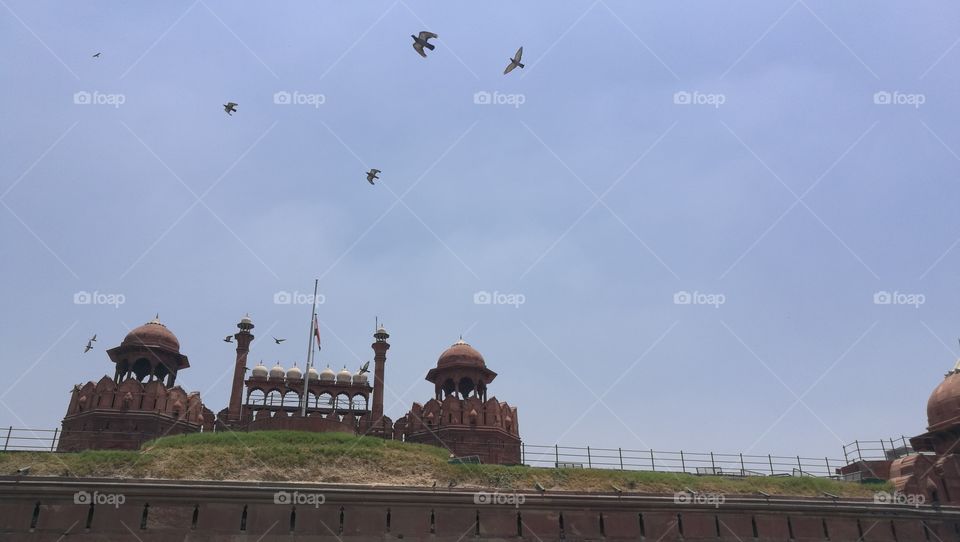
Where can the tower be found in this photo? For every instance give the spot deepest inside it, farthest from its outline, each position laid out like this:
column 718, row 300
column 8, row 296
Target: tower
column 380, row 347
column 244, row 338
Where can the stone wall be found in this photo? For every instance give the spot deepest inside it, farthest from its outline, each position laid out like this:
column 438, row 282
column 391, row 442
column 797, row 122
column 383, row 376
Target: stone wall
column 36, row 509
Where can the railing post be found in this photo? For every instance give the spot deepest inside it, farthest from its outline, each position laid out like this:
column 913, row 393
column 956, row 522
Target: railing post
column 827, row 461
column 53, row 443
column 743, row 470
column 620, row 453
column 682, row 464
column 883, row 448
column 800, row 465
column 556, row 455
column 7, row 442
column 653, row 465
column 523, row 454
column 589, row 461
column 713, row 466
column 770, row 459
column 859, row 455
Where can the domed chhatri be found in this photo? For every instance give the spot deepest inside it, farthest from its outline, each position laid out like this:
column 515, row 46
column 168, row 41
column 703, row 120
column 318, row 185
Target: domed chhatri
column 294, row 373
column 278, row 372
column 260, row 371
column 943, row 407
column 327, row 375
column 312, row 374
column 153, row 334
column 344, row 376
column 461, row 354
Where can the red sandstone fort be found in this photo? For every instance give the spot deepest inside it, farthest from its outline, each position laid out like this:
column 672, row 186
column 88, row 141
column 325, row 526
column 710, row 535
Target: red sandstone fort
column 142, row 400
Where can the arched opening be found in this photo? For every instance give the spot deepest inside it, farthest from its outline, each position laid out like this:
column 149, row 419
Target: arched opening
column 465, row 387
column 448, row 387
column 274, row 398
column 291, row 399
column 141, row 369
column 360, row 402
column 256, row 398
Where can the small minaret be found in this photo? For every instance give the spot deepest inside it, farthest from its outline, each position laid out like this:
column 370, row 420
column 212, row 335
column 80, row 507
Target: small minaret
column 380, row 347
column 244, row 338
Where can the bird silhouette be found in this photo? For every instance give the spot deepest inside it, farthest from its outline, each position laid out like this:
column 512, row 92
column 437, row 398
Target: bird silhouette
column 539, row 487
column 228, row 339
column 422, row 40
column 23, row 471
column 230, row 108
column 94, row 338
column 96, row 55
column 514, row 62
column 365, row 368
column 278, row 341
column 372, row 175
column 89, row 347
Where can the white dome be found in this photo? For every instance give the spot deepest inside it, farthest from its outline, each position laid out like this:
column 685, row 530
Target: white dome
column 327, row 375
column 312, row 374
column 360, row 378
column 260, row 371
column 277, row 371
column 344, row 376
column 294, row 373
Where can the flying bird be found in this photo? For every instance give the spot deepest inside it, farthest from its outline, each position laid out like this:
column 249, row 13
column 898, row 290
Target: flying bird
column 515, row 62
column 278, row 341
column 539, row 487
column 89, row 347
column 365, row 368
column 372, row 175
column 96, row 55
column 230, row 108
column 422, row 40
column 94, row 338
column 228, row 339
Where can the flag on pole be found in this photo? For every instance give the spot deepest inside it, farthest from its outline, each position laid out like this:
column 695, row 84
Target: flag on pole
column 316, row 331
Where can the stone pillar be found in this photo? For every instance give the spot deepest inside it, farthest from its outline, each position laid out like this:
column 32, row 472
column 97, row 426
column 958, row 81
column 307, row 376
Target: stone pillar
column 243, row 338
column 380, row 347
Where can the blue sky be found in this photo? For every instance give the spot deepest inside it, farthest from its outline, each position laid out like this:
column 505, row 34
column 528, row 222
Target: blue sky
column 785, row 198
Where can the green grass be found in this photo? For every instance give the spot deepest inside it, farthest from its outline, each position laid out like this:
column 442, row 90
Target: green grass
column 343, row 458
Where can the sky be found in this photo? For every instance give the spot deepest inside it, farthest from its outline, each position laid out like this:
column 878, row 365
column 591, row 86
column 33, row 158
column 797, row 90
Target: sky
column 707, row 226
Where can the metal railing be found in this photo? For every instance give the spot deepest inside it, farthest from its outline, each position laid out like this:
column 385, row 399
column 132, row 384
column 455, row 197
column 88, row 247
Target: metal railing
column 877, row 450
column 727, row 464
column 555, row 456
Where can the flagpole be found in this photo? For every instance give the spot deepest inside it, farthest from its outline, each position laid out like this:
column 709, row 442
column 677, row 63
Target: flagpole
column 306, row 372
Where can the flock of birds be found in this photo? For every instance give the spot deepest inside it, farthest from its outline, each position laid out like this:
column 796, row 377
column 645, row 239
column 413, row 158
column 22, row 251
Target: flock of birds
column 420, row 42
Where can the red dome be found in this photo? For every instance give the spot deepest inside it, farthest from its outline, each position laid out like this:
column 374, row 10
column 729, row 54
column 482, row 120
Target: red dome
column 943, row 407
column 461, row 353
column 154, row 334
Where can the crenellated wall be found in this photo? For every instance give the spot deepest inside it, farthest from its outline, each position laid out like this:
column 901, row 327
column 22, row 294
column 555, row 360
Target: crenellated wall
column 223, row 511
